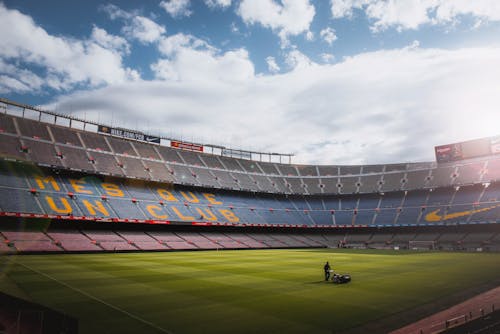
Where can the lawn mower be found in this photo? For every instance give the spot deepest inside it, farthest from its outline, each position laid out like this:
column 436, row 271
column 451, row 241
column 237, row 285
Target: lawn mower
column 341, row 278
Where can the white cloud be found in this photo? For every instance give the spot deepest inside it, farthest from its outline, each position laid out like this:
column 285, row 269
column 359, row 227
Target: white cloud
column 402, row 15
column 170, row 45
column 296, row 59
column 411, row 14
column 65, row 62
column 191, row 59
column 218, row 3
column 108, row 41
column 328, row 35
column 15, row 79
column 176, row 8
column 234, row 28
column 309, row 35
column 376, row 107
column 290, row 18
column 137, row 27
column 116, row 12
column 272, row 66
column 448, row 10
column 144, row 29
column 327, row 57
column 344, row 8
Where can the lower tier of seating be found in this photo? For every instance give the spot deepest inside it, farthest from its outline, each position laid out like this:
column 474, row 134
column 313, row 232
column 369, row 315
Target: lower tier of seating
column 77, row 240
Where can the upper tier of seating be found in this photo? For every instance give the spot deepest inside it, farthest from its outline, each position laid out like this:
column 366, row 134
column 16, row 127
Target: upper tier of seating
column 29, row 190
column 66, row 148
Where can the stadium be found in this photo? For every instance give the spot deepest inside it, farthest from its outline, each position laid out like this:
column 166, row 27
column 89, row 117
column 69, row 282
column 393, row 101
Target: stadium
column 116, row 231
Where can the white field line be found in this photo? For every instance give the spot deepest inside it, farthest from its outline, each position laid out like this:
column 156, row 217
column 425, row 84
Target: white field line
column 98, row 299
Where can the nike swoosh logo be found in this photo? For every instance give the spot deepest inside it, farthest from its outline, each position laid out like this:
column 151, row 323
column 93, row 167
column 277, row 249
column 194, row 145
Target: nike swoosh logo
column 433, row 216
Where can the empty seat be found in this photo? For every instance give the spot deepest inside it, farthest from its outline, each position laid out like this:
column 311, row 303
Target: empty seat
column 170, row 154
column 42, row 153
column 121, row 146
column 134, row 168
column 146, row 150
column 65, row 136
column 94, row 141
column 106, row 163
column 7, row 124
column 11, row 147
column 33, row 129
column 75, row 158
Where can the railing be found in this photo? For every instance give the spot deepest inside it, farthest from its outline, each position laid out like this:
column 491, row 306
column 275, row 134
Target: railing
column 456, row 321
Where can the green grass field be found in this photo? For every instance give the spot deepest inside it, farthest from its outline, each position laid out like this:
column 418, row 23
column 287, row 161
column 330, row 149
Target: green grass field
column 254, row 291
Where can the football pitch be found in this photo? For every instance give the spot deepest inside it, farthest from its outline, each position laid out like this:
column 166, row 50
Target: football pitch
column 250, row 291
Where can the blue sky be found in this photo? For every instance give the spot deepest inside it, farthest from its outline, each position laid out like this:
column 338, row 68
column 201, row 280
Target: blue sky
column 337, row 82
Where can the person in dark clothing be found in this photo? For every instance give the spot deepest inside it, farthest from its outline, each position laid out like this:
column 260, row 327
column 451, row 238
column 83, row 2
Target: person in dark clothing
column 327, row 269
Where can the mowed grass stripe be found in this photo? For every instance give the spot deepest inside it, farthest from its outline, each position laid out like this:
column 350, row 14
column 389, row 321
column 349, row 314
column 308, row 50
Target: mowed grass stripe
column 247, row 291
column 94, row 298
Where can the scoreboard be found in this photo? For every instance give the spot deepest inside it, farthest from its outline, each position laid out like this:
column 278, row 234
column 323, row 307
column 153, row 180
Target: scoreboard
column 468, row 149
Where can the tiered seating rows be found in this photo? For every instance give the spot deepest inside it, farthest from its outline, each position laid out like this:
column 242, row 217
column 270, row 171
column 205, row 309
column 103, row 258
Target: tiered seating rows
column 39, row 139
column 25, row 189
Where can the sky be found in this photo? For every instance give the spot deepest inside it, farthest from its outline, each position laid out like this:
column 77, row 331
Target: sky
column 333, row 82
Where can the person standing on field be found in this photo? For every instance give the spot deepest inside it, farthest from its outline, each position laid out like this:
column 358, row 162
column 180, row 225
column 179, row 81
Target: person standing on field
column 327, row 269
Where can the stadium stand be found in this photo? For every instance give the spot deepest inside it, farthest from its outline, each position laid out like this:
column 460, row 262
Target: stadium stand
column 94, row 141
column 305, row 170
column 75, row 158
column 147, row 151
column 109, row 240
column 12, row 148
column 350, row 170
column 191, row 158
column 442, row 176
column 417, row 179
column 470, row 173
column 370, row 183
column 65, row 136
column 268, row 168
column 170, row 154
column 7, row 124
column 106, row 162
column 451, row 241
column 31, row 241
column 33, row 129
column 158, row 171
column 121, row 146
column 328, row 170
column 171, row 240
column 231, row 164
column 53, row 171
column 134, row 168
column 381, row 241
column 211, row 161
column 246, row 241
column 42, row 152
column 392, row 182
column 142, row 240
column 74, row 241
column 492, row 172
